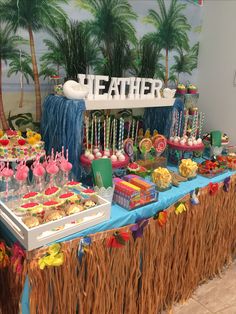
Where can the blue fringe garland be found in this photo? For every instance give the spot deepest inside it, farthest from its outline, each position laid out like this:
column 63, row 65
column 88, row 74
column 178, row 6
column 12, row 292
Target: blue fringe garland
column 161, row 118
column 62, row 125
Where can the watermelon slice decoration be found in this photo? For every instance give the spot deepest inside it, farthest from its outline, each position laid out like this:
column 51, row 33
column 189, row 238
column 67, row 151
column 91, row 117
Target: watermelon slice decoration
column 11, row 133
column 30, row 195
column 51, row 204
column 21, row 141
column 51, row 191
column 89, row 191
column 29, row 206
column 66, row 196
column 73, row 184
column 142, row 169
column 133, row 167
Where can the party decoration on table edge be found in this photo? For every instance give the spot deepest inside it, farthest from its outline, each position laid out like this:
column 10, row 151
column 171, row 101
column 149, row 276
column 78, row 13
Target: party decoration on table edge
column 83, row 247
column 161, row 217
column 53, row 257
column 138, row 228
column 194, row 197
column 213, row 188
column 4, row 255
column 118, row 239
column 226, row 184
column 180, row 207
column 17, row 258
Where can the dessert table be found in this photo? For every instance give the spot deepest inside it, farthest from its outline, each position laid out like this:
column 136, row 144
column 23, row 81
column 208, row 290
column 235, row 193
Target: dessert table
column 145, row 275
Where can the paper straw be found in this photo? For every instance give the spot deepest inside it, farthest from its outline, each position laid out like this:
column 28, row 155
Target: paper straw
column 133, row 127
column 201, row 120
column 136, row 133
column 176, row 123
column 104, row 133
column 119, row 141
column 185, row 123
column 87, row 131
column 122, row 133
column 193, row 124
column 196, row 126
column 95, row 131
column 99, row 132
column 114, row 136
column 92, row 137
column 180, row 123
column 108, row 132
column 129, row 128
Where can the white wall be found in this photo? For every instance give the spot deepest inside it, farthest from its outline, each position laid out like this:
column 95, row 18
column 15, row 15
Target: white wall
column 217, row 66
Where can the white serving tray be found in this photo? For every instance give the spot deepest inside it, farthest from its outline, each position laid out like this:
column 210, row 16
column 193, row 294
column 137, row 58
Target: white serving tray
column 32, row 238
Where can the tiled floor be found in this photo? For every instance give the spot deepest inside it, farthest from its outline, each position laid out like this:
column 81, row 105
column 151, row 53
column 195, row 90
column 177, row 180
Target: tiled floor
column 216, row 296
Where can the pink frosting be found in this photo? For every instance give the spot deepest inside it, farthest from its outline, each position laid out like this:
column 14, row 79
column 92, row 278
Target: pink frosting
column 52, row 168
column 65, row 166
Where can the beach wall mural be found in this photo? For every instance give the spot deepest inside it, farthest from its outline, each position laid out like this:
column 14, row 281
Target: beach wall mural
column 44, row 43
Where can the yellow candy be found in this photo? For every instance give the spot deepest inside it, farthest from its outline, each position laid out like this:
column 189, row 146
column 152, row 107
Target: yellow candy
column 1, row 133
column 188, row 168
column 37, row 136
column 161, row 177
column 32, row 140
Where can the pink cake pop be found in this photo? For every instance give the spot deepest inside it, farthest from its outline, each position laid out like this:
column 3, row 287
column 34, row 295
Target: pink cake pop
column 64, row 164
column 38, row 172
column 7, row 173
column 52, row 169
column 21, row 175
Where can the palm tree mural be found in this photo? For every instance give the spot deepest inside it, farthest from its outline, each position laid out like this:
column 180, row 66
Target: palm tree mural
column 185, row 61
column 112, row 28
column 8, row 51
column 72, row 48
column 33, row 16
column 146, row 58
column 21, row 64
column 53, row 59
column 171, row 29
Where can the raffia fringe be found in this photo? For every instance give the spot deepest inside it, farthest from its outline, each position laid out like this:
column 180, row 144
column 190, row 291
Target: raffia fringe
column 148, row 275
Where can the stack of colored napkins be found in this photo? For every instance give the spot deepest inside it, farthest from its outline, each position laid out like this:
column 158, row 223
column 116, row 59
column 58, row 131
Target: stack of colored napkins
column 148, row 189
column 133, row 191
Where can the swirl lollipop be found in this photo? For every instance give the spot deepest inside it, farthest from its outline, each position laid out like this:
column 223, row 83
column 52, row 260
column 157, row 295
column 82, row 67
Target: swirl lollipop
column 7, row 173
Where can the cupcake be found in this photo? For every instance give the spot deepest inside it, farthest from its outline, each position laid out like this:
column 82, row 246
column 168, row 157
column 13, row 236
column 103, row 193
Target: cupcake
column 54, row 215
column 181, row 89
column 52, row 191
column 74, row 209
column 31, row 221
column 192, row 89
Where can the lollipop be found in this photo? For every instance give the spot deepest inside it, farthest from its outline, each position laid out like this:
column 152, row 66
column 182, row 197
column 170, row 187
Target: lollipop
column 159, row 143
column 7, row 173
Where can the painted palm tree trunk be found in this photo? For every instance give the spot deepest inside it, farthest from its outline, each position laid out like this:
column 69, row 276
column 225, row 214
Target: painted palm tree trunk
column 36, row 76
column 3, row 119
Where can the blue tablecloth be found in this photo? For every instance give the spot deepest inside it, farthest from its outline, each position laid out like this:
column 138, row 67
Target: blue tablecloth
column 121, row 217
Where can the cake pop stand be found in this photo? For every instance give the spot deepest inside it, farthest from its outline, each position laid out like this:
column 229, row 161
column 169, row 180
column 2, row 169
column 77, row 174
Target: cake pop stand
column 115, row 164
column 176, row 151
